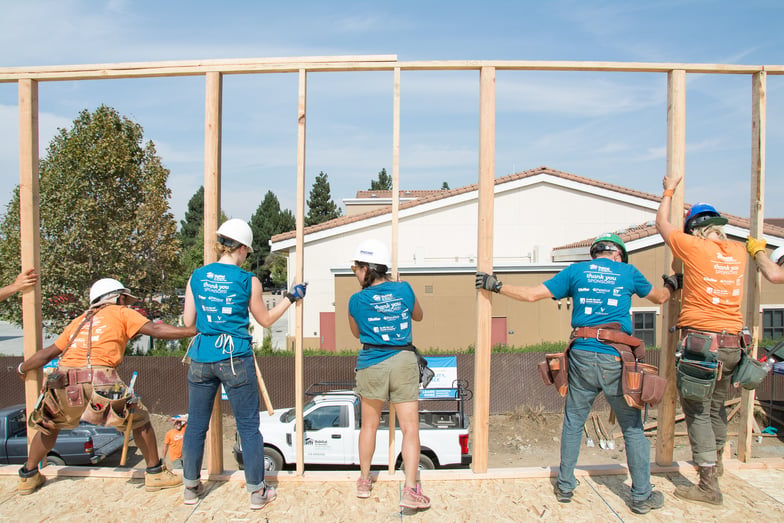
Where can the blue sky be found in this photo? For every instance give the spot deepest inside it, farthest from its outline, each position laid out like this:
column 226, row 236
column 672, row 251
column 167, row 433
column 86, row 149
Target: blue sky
column 606, row 126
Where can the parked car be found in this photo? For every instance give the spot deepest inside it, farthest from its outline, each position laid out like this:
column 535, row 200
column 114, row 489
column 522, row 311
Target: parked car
column 332, row 422
column 85, row 445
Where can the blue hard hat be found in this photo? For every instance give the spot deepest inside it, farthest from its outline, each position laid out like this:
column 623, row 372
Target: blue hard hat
column 700, row 215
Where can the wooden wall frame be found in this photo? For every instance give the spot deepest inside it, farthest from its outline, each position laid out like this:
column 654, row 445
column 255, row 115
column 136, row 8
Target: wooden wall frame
column 213, row 70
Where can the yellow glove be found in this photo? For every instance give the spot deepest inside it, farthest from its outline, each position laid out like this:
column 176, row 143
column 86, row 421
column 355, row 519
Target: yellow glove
column 753, row 246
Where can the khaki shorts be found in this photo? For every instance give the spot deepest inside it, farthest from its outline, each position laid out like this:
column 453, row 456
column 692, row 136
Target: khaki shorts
column 395, row 379
column 63, row 408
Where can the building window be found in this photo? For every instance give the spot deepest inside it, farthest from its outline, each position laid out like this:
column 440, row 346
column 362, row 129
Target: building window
column 772, row 323
column 644, row 323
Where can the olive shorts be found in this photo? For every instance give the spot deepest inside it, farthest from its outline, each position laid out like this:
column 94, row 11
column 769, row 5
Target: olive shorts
column 395, row 379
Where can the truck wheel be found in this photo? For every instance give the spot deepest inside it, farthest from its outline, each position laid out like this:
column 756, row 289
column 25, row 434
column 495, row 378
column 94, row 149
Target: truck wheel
column 425, row 463
column 273, row 461
column 57, row 461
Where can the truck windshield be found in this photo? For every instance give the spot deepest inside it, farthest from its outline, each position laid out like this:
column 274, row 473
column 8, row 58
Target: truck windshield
column 290, row 414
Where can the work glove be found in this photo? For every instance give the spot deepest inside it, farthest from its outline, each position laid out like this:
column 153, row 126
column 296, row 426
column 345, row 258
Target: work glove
column 297, row 292
column 673, row 281
column 487, row 282
column 753, row 246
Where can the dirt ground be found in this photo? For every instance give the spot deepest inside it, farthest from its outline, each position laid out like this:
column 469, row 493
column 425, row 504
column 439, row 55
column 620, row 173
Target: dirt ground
column 528, row 437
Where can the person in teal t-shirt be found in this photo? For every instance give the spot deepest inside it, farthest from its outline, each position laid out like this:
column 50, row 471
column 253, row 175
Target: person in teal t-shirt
column 380, row 315
column 218, row 298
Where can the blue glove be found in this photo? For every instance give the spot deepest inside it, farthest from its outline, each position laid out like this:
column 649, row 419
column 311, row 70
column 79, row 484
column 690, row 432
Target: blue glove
column 297, row 292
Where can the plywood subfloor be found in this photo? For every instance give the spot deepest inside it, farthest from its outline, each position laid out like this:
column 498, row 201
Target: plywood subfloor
column 751, row 494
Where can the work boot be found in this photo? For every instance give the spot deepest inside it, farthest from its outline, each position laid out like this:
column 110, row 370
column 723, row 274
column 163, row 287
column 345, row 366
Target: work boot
column 720, row 461
column 706, row 491
column 159, row 480
column 652, row 502
column 29, row 481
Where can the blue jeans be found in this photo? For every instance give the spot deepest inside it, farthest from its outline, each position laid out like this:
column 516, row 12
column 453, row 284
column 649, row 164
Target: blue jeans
column 589, row 374
column 204, row 380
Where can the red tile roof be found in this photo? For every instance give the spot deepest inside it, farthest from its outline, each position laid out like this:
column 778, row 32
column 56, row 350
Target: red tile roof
column 446, row 193
column 647, row 229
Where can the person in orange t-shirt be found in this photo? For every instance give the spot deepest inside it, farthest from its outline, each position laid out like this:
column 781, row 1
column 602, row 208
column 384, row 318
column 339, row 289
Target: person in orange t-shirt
column 172, row 443
column 711, row 323
column 86, row 385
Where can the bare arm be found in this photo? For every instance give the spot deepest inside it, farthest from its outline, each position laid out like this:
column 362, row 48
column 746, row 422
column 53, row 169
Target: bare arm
column 189, row 309
column 529, row 294
column 164, row 331
column 40, row 358
column 659, row 296
column 352, row 323
column 417, row 314
column 663, row 224
column 23, row 280
column 772, row 272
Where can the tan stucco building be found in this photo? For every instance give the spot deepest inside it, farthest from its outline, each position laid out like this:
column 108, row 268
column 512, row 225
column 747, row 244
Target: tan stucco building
column 544, row 219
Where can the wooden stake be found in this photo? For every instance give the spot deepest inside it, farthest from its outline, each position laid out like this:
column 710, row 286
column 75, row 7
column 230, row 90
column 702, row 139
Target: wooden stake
column 754, row 282
column 127, row 439
column 676, row 166
column 263, row 387
column 484, row 306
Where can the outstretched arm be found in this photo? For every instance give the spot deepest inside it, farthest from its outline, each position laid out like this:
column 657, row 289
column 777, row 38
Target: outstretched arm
column 164, row 331
column 489, row 282
column 39, row 359
column 24, row 280
column 772, row 272
column 663, row 224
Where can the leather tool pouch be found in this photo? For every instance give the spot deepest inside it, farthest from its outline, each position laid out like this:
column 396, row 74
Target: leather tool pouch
column 56, row 380
column 74, row 395
column 555, row 371
column 749, row 373
column 642, row 384
column 103, row 410
column 47, row 413
column 544, row 372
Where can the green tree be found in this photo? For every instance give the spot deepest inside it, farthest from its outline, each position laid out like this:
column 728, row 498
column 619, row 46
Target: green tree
column 276, row 266
column 383, row 183
column 444, row 186
column 267, row 221
column 321, row 208
column 194, row 218
column 104, row 212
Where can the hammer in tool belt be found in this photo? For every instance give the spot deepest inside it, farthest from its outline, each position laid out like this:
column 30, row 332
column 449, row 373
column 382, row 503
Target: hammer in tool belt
column 129, row 427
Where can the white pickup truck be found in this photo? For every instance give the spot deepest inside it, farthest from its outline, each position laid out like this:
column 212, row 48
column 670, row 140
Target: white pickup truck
column 331, row 430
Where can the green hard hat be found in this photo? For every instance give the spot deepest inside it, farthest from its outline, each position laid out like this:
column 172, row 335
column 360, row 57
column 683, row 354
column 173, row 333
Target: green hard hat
column 598, row 245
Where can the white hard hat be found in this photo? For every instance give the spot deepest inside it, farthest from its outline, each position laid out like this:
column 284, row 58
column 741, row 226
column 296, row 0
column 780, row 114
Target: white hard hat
column 106, row 286
column 777, row 255
column 237, row 230
column 373, row 251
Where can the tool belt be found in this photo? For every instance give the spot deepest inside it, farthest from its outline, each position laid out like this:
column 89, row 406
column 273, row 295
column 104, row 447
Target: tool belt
column 701, row 341
column 697, row 365
column 641, row 382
